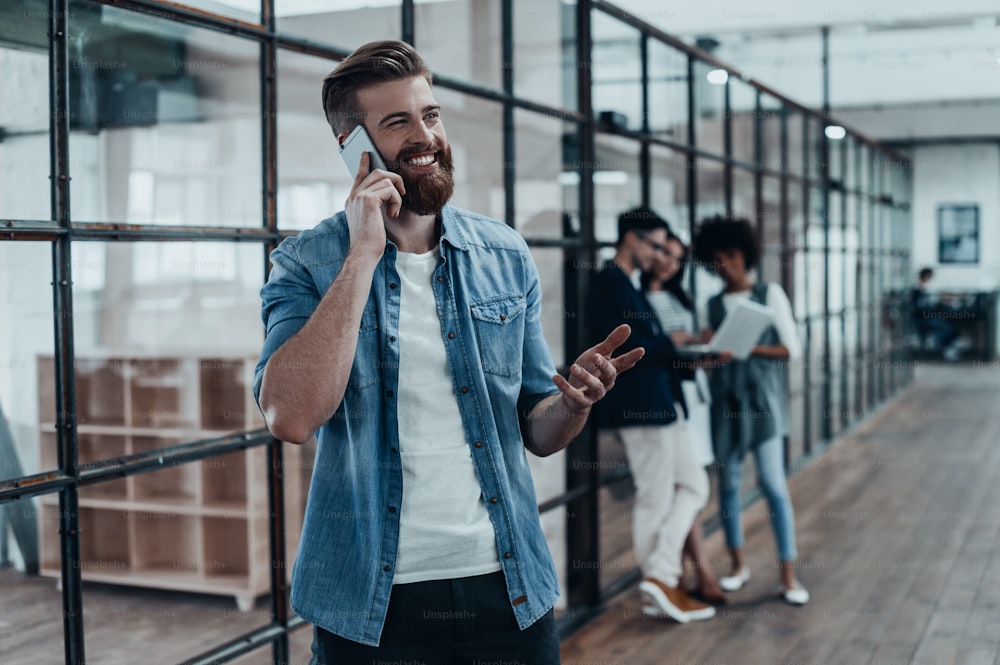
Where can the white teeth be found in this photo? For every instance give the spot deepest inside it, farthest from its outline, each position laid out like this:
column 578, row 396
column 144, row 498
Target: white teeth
column 422, row 161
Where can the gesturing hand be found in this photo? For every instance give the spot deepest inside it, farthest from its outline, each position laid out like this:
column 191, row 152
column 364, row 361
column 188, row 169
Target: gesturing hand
column 594, row 372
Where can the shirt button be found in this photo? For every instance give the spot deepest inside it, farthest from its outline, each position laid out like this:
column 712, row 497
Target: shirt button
column 465, row 389
column 503, row 317
column 392, row 450
column 392, row 338
column 392, row 509
column 393, row 285
column 493, row 500
column 386, row 568
column 389, row 393
column 479, row 444
column 451, row 335
column 440, row 278
column 506, row 555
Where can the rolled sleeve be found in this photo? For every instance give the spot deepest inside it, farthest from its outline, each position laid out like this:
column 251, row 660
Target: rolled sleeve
column 288, row 299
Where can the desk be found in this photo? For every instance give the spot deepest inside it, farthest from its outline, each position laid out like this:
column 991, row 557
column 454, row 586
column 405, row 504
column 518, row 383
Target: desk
column 974, row 314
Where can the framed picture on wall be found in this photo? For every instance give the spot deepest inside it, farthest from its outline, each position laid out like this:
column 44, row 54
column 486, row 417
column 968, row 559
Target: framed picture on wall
column 958, row 233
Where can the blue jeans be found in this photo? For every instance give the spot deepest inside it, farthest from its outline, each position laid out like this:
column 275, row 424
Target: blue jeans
column 771, row 479
column 461, row 621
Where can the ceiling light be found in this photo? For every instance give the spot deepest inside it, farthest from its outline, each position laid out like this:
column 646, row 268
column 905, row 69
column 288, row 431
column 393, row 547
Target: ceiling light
column 835, row 132
column 718, row 77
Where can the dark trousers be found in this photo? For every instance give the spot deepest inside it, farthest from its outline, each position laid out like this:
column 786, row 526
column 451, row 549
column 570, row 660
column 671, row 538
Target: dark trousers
column 464, row 621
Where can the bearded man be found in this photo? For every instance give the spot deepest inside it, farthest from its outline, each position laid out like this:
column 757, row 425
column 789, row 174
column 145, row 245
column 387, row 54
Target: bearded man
column 406, row 334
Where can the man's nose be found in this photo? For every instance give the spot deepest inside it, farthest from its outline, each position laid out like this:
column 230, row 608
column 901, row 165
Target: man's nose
column 421, row 134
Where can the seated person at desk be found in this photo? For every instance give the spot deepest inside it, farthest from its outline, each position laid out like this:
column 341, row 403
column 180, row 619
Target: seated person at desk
column 930, row 318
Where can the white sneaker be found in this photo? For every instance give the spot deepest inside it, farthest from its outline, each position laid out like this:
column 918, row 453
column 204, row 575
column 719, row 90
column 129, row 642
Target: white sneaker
column 797, row 596
column 735, row 582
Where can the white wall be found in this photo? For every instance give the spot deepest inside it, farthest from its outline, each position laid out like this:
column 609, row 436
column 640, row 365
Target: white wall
column 957, row 174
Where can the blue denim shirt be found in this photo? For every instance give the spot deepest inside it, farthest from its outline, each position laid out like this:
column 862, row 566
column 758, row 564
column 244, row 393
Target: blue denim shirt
column 489, row 303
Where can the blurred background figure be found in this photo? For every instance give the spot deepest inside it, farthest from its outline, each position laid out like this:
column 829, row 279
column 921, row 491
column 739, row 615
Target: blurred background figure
column 937, row 332
column 670, row 486
column 749, row 400
column 664, row 288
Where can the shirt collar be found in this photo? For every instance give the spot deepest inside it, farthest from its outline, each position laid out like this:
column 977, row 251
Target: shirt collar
column 451, row 229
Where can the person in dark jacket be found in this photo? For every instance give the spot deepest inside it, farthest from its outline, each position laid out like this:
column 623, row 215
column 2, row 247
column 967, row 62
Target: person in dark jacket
column 671, row 486
column 931, row 318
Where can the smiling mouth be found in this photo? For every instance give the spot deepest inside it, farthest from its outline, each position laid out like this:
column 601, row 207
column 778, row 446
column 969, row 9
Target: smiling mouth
column 422, row 160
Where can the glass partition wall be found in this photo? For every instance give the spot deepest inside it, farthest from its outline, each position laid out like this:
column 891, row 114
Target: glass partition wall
column 154, row 153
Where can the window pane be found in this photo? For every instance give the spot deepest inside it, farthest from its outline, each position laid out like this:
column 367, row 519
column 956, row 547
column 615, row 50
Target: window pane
column 167, row 336
column 475, row 131
column 344, row 25
column 711, row 193
column 796, row 159
column 545, row 52
column 461, row 39
column 24, row 115
column 744, row 196
column 616, row 70
column 616, row 502
column 27, row 393
column 616, row 183
column 710, row 108
column 770, row 120
column 668, row 188
column 241, row 10
column 543, row 191
column 743, row 117
column 165, row 120
column 668, row 92
column 313, row 181
column 770, row 225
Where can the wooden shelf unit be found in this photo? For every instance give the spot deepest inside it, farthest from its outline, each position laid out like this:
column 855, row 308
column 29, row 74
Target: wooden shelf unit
column 200, row 526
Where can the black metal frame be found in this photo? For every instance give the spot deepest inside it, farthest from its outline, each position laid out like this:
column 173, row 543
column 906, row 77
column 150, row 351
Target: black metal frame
column 883, row 207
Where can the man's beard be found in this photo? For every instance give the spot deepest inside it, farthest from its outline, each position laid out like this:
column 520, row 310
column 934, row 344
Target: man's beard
column 426, row 193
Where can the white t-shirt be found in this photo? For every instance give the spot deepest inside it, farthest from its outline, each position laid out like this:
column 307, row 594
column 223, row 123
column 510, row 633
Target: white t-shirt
column 444, row 527
column 784, row 321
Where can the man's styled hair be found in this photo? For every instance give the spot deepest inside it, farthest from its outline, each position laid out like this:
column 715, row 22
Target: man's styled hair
column 721, row 234
column 370, row 64
column 641, row 220
column 925, row 274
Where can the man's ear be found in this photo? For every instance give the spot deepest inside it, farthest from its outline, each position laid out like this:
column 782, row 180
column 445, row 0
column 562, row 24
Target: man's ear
column 341, row 137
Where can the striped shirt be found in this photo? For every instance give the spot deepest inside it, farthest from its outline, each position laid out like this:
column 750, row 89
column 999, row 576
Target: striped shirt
column 670, row 311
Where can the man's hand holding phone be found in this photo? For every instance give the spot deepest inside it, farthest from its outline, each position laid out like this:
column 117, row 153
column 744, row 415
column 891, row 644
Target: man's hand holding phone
column 373, row 191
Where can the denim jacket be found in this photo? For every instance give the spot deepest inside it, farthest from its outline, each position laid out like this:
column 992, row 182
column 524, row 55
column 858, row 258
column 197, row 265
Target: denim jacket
column 489, row 303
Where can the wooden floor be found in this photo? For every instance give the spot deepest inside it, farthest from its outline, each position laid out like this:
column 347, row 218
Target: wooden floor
column 899, row 540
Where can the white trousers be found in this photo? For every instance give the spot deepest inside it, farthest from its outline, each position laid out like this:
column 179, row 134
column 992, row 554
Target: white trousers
column 671, row 487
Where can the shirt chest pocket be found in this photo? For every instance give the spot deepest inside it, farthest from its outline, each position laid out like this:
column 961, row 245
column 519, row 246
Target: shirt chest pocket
column 499, row 323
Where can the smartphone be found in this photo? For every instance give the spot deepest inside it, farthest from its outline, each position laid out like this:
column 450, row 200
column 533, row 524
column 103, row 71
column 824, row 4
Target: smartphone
column 356, row 143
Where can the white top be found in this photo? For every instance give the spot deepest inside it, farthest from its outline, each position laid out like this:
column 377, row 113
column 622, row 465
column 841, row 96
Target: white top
column 671, row 313
column 444, row 528
column 784, row 322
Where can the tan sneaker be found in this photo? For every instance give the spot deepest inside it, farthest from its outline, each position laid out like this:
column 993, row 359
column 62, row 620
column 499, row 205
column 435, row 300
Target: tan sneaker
column 660, row 600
